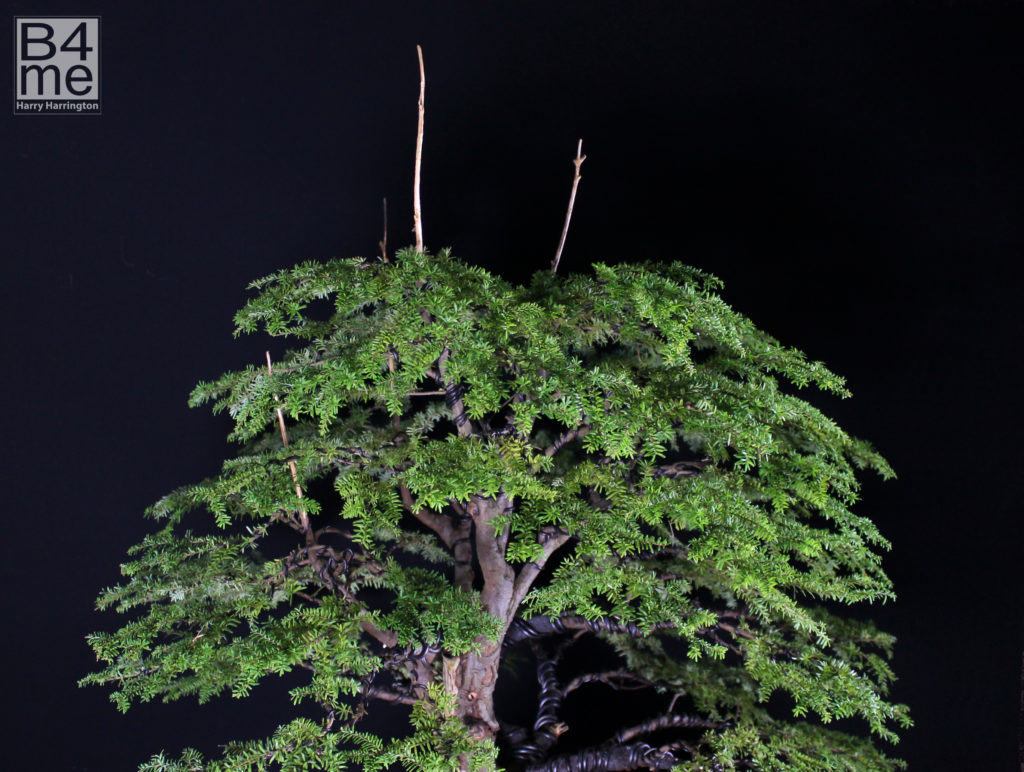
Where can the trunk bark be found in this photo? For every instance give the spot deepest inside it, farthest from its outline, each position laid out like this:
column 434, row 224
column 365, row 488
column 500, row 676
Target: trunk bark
column 472, row 677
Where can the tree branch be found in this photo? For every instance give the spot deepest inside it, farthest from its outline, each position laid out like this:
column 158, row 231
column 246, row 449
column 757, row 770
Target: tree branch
column 578, row 161
column 682, row 468
column 551, row 539
column 462, row 547
column 462, row 551
column 326, row 565
column 383, row 243
column 303, row 517
column 607, row 678
column 453, row 396
column 622, row 757
column 416, row 214
column 377, row 693
column 546, row 727
column 735, row 630
column 566, row 438
column 539, row 627
column 497, row 573
column 439, row 524
column 668, row 721
column 387, row 638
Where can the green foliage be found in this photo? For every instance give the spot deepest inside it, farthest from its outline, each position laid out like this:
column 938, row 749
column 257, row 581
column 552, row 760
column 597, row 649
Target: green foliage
column 437, row 741
column 428, row 608
column 629, row 411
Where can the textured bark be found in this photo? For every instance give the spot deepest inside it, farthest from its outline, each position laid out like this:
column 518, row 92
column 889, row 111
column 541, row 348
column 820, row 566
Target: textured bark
column 472, row 677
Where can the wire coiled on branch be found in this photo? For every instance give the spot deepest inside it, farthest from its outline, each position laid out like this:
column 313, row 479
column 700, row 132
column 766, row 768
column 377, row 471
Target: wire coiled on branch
column 615, row 758
column 549, row 703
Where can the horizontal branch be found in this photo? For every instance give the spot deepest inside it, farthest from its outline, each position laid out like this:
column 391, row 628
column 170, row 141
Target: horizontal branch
column 621, row 757
column 566, row 438
column 608, row 678
column 668, row 721
column 681, row 469
column 377, row 693
column 539, row 627
column 328, row 566
column 436, row 523
column 387, row 638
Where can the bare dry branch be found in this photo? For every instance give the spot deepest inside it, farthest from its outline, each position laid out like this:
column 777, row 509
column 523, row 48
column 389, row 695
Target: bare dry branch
column 578, row 161
column 303, row 517
column 416, row 212
column 383, row 243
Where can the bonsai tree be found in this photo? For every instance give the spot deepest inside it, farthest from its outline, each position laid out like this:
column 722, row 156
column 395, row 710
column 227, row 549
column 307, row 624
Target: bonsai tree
column 452, row 480
column 615, row 454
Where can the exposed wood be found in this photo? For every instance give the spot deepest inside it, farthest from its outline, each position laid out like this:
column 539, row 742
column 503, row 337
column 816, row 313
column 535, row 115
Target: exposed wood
column 578, row 161
column 383, row 243
column 417, row 217
column 303, row 517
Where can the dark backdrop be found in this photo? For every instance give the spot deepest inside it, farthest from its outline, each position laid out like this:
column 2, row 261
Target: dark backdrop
column 852, row 170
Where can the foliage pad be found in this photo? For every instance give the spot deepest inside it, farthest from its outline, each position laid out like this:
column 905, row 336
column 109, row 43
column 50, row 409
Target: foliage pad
column 617, row 454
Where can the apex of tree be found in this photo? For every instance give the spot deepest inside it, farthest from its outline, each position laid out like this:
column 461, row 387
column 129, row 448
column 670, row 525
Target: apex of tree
column 468, row 468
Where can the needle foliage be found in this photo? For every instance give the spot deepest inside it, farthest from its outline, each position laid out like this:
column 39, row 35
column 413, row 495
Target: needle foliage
column 614, row 454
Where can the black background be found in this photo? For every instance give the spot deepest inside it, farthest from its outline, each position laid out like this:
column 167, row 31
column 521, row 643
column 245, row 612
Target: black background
column 852, row 170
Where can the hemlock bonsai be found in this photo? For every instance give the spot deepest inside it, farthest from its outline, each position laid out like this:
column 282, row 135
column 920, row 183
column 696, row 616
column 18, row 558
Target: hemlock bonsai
column 501, row 469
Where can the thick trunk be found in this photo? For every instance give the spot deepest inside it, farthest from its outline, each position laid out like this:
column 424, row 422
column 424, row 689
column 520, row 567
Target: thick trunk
column 472, row 681
column 472, row 677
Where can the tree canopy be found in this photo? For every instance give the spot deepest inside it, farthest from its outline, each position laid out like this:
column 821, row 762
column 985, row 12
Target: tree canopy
column 468, row 469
